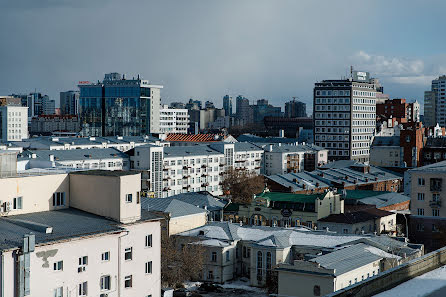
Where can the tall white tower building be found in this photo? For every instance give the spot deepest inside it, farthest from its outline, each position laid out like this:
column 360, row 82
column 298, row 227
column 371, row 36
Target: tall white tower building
column 344, row 116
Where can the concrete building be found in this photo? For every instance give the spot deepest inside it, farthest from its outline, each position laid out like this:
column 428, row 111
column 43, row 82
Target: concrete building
column 281, row 159
column 119, row 107
column 69, row 102
column 227, row 105
column 345, row 116
column 86, row 232
column 47, row 124
column 168, row 171
column 262, row 109
column 299, row 128
column 79, row 159
column 295, row 109
column 428, row 213
column 435, row 103
column 232, row 250
column 244, row 111
column 14, row 123
column 10, row 100
column 173, row 120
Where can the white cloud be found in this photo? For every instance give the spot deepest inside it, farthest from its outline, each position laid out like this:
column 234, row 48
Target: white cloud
column 422, row 80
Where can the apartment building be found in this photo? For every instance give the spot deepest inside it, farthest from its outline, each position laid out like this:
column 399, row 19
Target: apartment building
column 84, row 231
column 46, row 124
column 293, row 158
column 234, row 250
column 69, row 102
column 345, row 116
column 80, row 159
column 427, row 223
column 173, row 170
column 13, row 122
column 173, row 120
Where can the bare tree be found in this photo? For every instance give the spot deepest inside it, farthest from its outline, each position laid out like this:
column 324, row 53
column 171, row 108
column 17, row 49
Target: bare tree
column 180, row 264
column 241, row 185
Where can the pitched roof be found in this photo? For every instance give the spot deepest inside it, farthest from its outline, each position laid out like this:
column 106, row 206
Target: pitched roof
column 290, row 197
column 386, row 141
column 357, row 216
column 195, row 137
column 71, row 155
column 176, row 208
column 201, row 199
column 195, row 150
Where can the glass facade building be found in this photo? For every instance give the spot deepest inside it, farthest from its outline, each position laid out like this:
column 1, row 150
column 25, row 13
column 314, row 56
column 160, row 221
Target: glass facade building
column 118, row 106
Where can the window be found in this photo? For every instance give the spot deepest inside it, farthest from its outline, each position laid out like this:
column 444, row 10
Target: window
column 149, row 240
column 420, row 196
column 420, row 211
column 421, row 181
column 435, row 228
column 268, row 261
column 59, row 199
column 58, row 265
column 58, row 292
column 435, row 212
column 128, row 281
column 420, row 227
column 214, row 257
column 227, row 256
column 149, row 267
column 317, row 290
column 345, row 231
column 17, row 203
column 83, row 260
column 210, row 274
column 105, row 256
column 83, row 289
column 259, row 263
column 128, row 254
column 128, row 198
column 105, row 282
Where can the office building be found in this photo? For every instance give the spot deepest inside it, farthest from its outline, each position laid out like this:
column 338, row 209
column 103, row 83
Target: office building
column 227, row 105
column 244, row 112
column 263, row 109
column 345, row 116
column 295, row 109
column 69, row 102
column 47, row 124
column 14, row 123
column 119, row 106
column 435, row 103
column 173, row 120
column 178, row 105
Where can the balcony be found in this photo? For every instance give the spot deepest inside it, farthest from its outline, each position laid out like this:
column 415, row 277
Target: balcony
column 204, row 185
column 435, row 184
column 435, row 203
column 203, row 166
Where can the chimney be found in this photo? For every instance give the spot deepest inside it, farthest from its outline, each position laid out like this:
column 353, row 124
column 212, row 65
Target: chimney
column 52, row 158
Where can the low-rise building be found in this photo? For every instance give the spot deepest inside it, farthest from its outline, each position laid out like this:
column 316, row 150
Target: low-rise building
column 84, row 231
column 363, row 221
column 288, row 210
column 233, row 250
column 80, row 159
column 173, row 120
column 47, row 124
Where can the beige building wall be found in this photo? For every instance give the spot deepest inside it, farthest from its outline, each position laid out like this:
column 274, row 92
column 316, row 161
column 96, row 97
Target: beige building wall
column 390, row 156
column 185, row 223
column 422, row 198
column 36, row 192
column 105, row 195
column 331, row 204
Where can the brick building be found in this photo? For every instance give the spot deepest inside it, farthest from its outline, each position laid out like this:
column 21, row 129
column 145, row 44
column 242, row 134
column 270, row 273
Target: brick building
column 398, row 110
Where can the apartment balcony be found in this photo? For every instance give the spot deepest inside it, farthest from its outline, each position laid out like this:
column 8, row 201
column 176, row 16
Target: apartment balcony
column 204, row 174
column 203, row 166
column 166, row 178
column 166, row 189
column 165, row 169
column 221, row 164
column 186, row 176
column 435, row 203
column 204, row 185
column 239, row 161
column 186, row 186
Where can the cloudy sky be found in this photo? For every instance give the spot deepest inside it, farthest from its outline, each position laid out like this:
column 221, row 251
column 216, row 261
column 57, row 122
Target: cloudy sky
column 205, row 49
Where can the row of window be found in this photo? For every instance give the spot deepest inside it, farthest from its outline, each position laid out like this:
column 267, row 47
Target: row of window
column 333, row 100
column 360, row 152
column 332, row 130
column 364, row 115
column 332, row 137
column 332, row 123
column 333, row 93
column 435, row 212
column 364, row 123
column 318, row 115
column 332, row 107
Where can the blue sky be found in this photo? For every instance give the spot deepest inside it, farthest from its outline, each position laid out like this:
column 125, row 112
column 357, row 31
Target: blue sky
column 205, row 49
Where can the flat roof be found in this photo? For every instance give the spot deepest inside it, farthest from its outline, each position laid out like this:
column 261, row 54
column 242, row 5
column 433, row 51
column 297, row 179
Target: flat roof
column 290, row 197
column 106, row 172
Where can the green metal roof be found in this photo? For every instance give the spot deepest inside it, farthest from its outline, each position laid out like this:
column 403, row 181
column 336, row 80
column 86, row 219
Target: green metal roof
column 290, row 197
column 232, row 207
column 361, row 194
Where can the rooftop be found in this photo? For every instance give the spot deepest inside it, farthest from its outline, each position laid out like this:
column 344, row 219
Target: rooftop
column 357, row 216
column 116, row 173
column 174, row 207
column 195, row 137
column 71, row 155
column 184, row 151
column 290, row 197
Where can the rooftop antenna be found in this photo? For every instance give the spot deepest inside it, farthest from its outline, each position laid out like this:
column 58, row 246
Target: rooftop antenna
column 351, row 71
column 294, row 98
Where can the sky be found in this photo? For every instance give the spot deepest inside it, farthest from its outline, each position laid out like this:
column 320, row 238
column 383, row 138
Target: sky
column 204, row 49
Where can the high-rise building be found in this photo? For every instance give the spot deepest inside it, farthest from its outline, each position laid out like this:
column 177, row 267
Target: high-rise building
column 227, row 105
column 193, row 104
column 119, row 106
column 209, row 104
column 48, row 106
column 435, row 103
column 263, row 109
column 344, row 116
column 295, row 109
column 69, row 102
column 244, row 111
column 13, row 122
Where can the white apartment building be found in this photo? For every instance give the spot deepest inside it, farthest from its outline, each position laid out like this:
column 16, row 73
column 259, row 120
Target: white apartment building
column 170, row 171
column 80, row 159
column 345, row 116
column 14, row 123
column 78, row 234
column 173, row 120
column 285, row 158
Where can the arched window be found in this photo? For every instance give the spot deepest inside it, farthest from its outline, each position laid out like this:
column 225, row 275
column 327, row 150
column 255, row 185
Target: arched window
column 317, row 291
column 268, row 261
column 259, row 264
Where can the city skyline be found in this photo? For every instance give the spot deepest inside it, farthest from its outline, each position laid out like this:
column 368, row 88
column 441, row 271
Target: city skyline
column 268, row 50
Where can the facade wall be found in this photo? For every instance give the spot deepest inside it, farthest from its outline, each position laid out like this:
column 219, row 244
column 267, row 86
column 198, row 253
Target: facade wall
column 13, row 122
column 386, row 156
column 44, row 279
column 185, row 223
column 36, row 192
